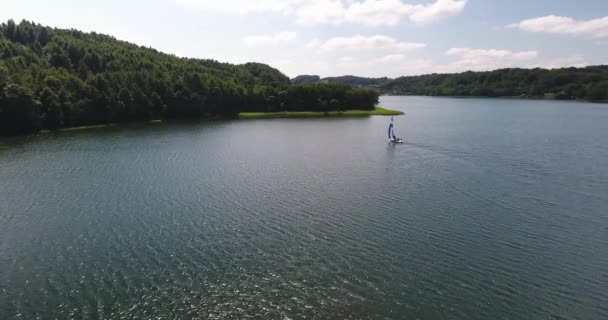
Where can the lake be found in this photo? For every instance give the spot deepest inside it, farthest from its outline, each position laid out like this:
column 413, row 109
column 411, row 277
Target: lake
column 492, row 209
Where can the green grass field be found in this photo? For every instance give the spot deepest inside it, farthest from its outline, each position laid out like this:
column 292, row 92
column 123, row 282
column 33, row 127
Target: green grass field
column 378, row 111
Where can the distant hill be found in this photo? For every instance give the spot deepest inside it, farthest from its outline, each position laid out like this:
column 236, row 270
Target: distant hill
column 357, row 81
column 53, row 78
column 303, row 79
column 589, row 83
column 345, row 80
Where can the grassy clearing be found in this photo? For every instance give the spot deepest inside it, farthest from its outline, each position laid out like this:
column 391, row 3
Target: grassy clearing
column 378, row 111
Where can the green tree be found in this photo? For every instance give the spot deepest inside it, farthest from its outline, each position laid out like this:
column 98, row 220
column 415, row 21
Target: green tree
column 57, row 56
column 53, row 113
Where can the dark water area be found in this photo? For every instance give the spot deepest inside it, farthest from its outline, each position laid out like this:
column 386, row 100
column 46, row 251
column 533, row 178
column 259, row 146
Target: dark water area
column 492, row 209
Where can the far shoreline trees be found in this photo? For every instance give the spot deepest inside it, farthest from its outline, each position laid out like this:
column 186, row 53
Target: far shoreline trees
column 589, row 83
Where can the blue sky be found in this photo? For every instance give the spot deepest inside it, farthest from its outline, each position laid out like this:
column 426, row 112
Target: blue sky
column 338, row 37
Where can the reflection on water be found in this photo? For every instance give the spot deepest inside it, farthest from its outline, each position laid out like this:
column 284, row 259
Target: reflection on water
column 491, row 209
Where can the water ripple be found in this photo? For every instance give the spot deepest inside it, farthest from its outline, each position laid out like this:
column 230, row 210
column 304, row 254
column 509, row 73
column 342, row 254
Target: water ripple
column 186, row 221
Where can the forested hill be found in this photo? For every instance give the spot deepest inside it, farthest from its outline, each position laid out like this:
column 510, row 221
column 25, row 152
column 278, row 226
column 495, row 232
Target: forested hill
column 52, row 78
column 589, row 83
column 303, row 79
column 345, row 80
column 356, row 81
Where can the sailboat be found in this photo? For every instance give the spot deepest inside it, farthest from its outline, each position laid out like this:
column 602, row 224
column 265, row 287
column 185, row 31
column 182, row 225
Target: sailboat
column 391, row 133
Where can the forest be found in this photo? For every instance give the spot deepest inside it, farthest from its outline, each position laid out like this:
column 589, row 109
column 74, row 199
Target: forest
column 53, row 78
column 589, row 83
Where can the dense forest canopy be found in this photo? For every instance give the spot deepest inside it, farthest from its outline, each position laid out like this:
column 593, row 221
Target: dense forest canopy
column 589, row 83
column 52, row 78
column 303, row 79
column 356, row 81
column 353, row 81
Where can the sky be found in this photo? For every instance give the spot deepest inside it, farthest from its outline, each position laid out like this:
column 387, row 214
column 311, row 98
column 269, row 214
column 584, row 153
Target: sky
column 371, row 38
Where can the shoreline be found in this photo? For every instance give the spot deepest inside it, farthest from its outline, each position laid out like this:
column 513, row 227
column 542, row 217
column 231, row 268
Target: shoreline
column 98, row 126
column 378, row 111
column 500, row 97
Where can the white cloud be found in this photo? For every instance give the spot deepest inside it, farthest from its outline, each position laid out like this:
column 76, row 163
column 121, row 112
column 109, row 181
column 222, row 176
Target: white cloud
column 347, row 59
column 359, row 42
column 275, row 39
column 393, row 65
column 243, row 6
column 317, row 12
column 401, row 65
column 321, row 12
column 488, row 59
column 375, row 12
column 283, row 64
column 313, row 44
column 441, row 9
column 597, row 28
column 392, row 58
column 392, row 12
column 378, row 13
column 472, row 54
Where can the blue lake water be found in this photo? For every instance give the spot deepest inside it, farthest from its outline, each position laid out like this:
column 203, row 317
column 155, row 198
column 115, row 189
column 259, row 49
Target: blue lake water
column 492, row 209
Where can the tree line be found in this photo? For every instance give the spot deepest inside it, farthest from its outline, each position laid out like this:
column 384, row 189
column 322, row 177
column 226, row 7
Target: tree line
column 589, row 83
column 353, row 81
column 52, row 78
